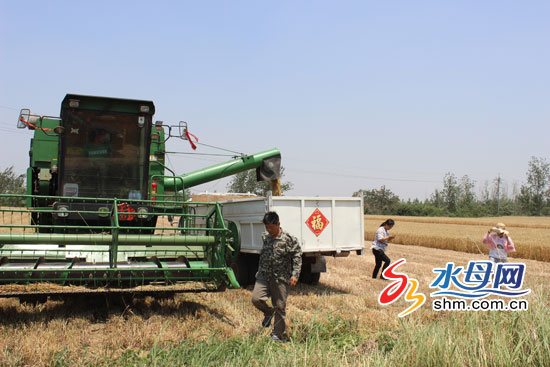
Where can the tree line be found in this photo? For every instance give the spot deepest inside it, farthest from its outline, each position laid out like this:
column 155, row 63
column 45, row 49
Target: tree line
column 457, row 198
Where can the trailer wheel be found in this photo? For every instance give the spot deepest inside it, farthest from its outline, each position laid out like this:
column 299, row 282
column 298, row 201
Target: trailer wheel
column 315, row 278
column 307, row 276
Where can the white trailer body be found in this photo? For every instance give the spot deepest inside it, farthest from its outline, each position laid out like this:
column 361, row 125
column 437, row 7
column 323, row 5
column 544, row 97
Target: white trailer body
column 323, row 225
column 343, row 233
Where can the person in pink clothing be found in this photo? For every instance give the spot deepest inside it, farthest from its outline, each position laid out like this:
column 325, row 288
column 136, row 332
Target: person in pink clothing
column 500, row 243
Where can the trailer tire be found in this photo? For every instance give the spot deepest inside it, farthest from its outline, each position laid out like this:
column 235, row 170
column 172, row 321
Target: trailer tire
column 315, row 278
column 307, row 276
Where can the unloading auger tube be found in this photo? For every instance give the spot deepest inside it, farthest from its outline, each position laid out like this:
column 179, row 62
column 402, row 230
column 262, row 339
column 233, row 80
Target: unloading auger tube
column 117, row 255
column 267, row 165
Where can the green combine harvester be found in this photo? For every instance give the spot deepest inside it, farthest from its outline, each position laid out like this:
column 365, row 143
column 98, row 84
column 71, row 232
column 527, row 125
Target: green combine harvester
column 104, row 212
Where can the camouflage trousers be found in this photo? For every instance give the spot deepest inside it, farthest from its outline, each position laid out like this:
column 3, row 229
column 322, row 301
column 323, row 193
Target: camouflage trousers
column 278, row 291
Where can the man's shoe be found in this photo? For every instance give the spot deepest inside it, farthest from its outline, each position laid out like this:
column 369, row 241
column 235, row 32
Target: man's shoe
column 275, row 338
column 266, row 322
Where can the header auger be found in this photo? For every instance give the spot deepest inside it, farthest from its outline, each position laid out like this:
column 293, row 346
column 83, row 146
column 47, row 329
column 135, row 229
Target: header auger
column 103, row 210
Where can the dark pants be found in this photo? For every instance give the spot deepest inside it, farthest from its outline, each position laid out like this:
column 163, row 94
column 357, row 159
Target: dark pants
column 380, row 256
column 278, row 291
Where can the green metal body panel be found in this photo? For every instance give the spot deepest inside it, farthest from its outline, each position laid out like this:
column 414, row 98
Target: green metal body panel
column 29, row 183
column 157, row 167
column 45, row 144
column 43, row 157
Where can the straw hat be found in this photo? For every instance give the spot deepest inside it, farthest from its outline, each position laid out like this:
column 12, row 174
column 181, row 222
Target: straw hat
column 500, row 228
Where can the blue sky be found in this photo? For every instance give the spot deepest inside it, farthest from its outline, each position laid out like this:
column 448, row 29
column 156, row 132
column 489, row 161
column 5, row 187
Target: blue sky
column 355, row 94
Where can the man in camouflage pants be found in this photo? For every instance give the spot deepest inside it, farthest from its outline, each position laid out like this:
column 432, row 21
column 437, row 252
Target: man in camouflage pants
column 279, row 268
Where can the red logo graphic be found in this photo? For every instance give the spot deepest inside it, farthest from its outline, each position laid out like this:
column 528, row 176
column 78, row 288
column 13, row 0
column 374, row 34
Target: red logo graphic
column 125, row 208
column 317, row 222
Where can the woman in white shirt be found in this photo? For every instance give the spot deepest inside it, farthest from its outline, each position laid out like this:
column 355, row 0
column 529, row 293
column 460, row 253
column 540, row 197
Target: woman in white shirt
column 379, row 246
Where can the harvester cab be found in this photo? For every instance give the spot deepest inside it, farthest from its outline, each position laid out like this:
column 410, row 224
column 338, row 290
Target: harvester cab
column 104, row 147
column 99, row 148
column 98, row 199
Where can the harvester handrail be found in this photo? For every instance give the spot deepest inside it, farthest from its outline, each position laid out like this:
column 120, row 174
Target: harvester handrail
column 97, row 199
column 53, row 226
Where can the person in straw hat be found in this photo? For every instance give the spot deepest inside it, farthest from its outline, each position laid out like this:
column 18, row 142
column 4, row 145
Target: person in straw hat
column 500, row 243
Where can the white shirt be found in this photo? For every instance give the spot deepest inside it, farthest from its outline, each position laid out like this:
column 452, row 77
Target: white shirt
column 376, row 244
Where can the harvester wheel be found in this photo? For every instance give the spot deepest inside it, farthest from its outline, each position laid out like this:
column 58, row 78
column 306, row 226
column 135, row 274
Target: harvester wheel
column 232, row 255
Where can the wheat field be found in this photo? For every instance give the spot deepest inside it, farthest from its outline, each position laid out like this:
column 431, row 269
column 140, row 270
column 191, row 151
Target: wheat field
column 531, row 235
